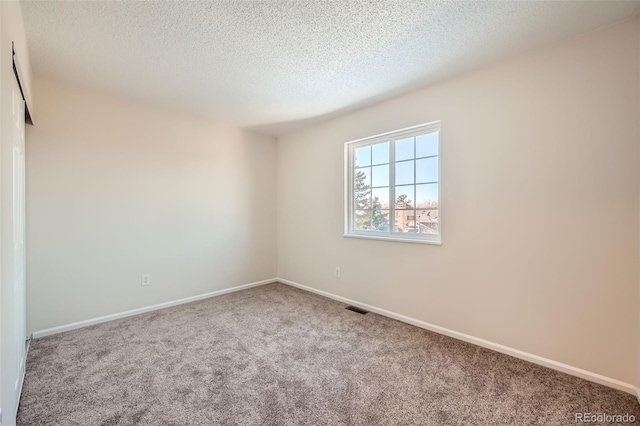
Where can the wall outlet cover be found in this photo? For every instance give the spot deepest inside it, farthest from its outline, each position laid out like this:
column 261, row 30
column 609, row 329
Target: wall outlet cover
column 146, row 279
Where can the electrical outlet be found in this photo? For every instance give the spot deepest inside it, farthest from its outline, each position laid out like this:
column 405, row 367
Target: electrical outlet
column 337, row 273
column 145, row 279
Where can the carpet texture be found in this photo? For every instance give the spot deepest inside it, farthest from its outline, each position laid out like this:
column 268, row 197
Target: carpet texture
column 276, row 355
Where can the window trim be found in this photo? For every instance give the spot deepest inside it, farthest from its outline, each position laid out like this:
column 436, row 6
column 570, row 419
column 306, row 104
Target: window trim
column 349, row 149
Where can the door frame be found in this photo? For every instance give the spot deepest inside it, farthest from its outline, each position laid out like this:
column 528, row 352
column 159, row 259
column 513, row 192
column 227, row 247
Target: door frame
column 13, row 321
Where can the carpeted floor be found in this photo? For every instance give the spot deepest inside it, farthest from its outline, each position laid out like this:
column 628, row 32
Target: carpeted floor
column 276, row 355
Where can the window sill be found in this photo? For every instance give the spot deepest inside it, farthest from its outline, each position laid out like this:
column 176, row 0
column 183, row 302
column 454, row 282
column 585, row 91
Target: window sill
column 394, row 239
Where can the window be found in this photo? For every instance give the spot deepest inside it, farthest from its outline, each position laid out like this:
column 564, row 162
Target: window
column 392, row 185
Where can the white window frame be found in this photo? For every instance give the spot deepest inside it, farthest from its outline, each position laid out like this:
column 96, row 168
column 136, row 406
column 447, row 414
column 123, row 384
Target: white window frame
column 349, row 167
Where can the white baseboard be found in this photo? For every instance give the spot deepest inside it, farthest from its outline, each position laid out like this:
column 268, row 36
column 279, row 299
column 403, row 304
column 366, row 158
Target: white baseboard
column 86, row 323
column 24, row 368
column 24, row 373
column 545, row 362
column 20, row 384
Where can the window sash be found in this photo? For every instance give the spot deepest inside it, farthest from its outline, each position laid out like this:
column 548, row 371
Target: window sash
column 350, row 169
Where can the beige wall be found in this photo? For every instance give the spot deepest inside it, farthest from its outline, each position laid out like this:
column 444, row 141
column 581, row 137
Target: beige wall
column 116, row 189
column 539, row 206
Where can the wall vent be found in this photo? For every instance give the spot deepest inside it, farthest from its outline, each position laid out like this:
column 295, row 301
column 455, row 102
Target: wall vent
column 356, row 309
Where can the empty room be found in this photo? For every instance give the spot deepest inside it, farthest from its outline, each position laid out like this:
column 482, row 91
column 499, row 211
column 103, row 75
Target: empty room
column 305, row 212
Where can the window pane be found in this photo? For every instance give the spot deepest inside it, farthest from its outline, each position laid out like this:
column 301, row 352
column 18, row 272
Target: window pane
column 427, row 196
column 427, row 145
column 363, row 156
column 405, row 221
column 362, row 219
column 380, row 153
column 404, row 149
column 404, row 172
column 381, row 197
column 428, row 221
column 380, row 175
column 427, row 170
column 426, row 217
column 404, row 197
column 362, row 188
column 380, row 220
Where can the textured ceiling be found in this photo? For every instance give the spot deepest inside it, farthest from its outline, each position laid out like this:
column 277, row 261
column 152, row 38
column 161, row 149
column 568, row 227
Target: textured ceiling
column 274, row 65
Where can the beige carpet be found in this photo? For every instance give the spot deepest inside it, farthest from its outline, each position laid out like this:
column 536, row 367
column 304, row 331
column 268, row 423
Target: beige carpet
column 276, row 355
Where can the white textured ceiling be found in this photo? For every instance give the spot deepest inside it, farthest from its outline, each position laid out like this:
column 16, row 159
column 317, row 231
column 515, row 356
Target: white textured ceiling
column 272, row 65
